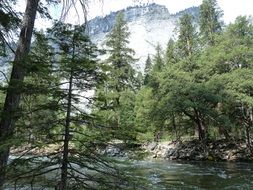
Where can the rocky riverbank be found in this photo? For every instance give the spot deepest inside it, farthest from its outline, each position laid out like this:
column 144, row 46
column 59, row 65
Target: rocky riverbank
column 219, row 150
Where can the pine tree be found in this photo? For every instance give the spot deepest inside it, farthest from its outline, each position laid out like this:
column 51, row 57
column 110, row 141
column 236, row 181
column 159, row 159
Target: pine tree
column 17, row 76
column 148, row 67
column 187, row 38
column 121, row 76
column 158, row 59
column 187, row 46
column 9, row 22
column 69, row 128
column 171, row 57
column 120, row 55
column 37, row 93
column 210, row 23
column 78, row 67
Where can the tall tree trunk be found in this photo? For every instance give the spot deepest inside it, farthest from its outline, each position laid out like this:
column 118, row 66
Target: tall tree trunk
column 17, row 76
column 64, row 168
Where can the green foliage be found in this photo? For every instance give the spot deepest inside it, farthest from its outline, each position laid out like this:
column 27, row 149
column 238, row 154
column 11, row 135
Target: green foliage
column 171, row 56
column 210, row 23
column 9, row 22
column 158, row 59
column 187, row 39
column 116, row 96
column 193, row 89
column 143, row 109
column 148, row 65
column 208, row 91
column 50, row 105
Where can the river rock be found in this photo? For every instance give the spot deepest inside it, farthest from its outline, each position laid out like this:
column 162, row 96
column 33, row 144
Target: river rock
column 113, row 151
column 219, row 150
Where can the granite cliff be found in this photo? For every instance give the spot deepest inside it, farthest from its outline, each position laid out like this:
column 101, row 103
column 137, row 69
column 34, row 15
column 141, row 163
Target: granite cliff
column 149, row 25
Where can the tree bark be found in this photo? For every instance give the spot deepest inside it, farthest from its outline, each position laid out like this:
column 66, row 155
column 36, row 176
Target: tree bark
column 223, row 131
column 64, row 168
column 17, row 76
column 201, row 125
column 248, row 139
column 201, row 129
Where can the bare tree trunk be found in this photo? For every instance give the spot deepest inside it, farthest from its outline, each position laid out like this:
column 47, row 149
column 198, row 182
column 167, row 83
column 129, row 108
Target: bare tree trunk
column 201, row 129
column 64, row 168
column 248, row 139
column 17, row 76
column 201, row 126
column 223, row 131
column 248, row 127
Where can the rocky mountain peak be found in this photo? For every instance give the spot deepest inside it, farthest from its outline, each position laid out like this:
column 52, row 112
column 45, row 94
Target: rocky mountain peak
column 149, row 25
column 105, row 24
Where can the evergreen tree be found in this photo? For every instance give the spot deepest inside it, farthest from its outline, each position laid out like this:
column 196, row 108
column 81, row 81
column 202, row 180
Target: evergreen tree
column 187, row 37
column 241, row 29
column 158, row 59
column 17, row 76
column 121, row 76
column 148, row 67
column 18, row 73
column 79, row 69
column 144, row 122
column 120, row 55
column 210, row 23
column 36, row 114
column 171, row 57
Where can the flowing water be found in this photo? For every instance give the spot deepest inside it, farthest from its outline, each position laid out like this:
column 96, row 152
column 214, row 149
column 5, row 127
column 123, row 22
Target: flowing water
column 194, row 175
column 163, row 175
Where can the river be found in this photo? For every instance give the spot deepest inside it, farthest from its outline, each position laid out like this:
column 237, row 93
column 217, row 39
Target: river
column 163, row 175
column 194, row 175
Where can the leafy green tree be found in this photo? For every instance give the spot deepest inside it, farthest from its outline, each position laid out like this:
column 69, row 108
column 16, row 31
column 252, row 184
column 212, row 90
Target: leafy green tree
column 144, row 106
column 241, row 28
column 238, row 37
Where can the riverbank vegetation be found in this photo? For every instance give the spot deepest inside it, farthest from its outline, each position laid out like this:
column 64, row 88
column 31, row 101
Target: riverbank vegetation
column 200, row 87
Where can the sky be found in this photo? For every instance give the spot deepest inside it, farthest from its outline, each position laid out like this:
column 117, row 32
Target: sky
column 231, row 8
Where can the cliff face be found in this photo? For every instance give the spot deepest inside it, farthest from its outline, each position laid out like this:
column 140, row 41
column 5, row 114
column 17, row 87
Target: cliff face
column 149, row 25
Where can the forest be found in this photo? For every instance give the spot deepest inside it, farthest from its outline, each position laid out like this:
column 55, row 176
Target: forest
column 60, row 102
